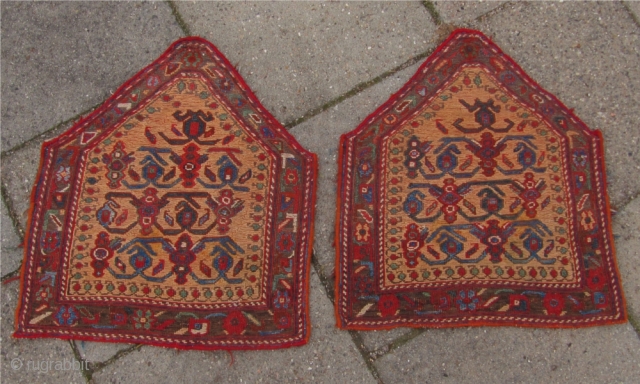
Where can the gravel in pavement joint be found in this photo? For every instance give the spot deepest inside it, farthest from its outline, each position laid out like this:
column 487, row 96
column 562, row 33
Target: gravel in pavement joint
column 11, row 274
column 397, row 343
column 621, row 206
column 176, row 13
column 53, row 131
column 86, row 373
column 95, row 367
column 441, row 34
column 357, row 89
column 491, row 13
column 13, row 215
column 431, row 8
column 355, row 336
column 634, row 322
column 635, row 17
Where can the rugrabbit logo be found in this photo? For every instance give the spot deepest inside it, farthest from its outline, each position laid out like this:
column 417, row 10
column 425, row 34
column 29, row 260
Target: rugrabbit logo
column 48, row 365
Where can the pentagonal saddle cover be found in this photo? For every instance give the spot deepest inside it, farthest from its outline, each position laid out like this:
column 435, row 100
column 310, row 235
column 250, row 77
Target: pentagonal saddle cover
column 179, row 214
column 474, row 197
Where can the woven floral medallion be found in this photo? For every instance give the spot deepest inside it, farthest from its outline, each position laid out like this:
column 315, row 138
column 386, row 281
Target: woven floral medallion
column 177, row 214
column 474, row 197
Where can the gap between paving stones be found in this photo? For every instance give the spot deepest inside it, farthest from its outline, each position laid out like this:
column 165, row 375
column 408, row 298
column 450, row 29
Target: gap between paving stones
column 357, row 89
column 93, row 367
column 12, row 212
column 634, row 323
column 179, row 19
column 51, row 132
column 492, row 12
column 327, row 283
column 15, row 223
column 431, row 8
column 397, row 343
column 86, row 373
column 622, row 206
column 636, row 18
column 5, row 279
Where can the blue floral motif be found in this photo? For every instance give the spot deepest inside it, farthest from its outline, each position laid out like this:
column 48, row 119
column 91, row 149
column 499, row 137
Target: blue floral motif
column 365, row 169
column 66, row 315
column 285, row 242
column 467, row 300
column 580, row 157
column 282, row 300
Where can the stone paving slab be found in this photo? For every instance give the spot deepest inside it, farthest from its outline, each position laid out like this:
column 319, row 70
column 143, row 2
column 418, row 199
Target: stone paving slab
column 19, row 173
column 330, row 357
column 587, row 54
column 95, row 352
column 459, row 13
column 297, row 56
column 10, row 253
column 378, row 341
column 35, row 359
column 516, row 355
column 60, row 58
column 334, row 122
column 626, row 229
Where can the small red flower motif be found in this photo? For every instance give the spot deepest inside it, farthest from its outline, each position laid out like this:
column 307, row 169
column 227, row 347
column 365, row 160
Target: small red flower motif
column 441, row 300
column 291, row 176
column 388, row 305
column 118, row 318
column 282, row 320
column 362, row 232
column 553, row 303
column 50, row 241
column 518, row 302
column 595, row 279
column 285, row 242
column 587, row 221
column 235, row 323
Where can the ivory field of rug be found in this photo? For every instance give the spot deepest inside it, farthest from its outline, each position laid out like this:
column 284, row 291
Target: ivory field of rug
column 177, row 214
column 474, row 197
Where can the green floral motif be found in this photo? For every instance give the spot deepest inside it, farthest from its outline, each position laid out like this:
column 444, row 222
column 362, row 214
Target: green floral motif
column 143, row 319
